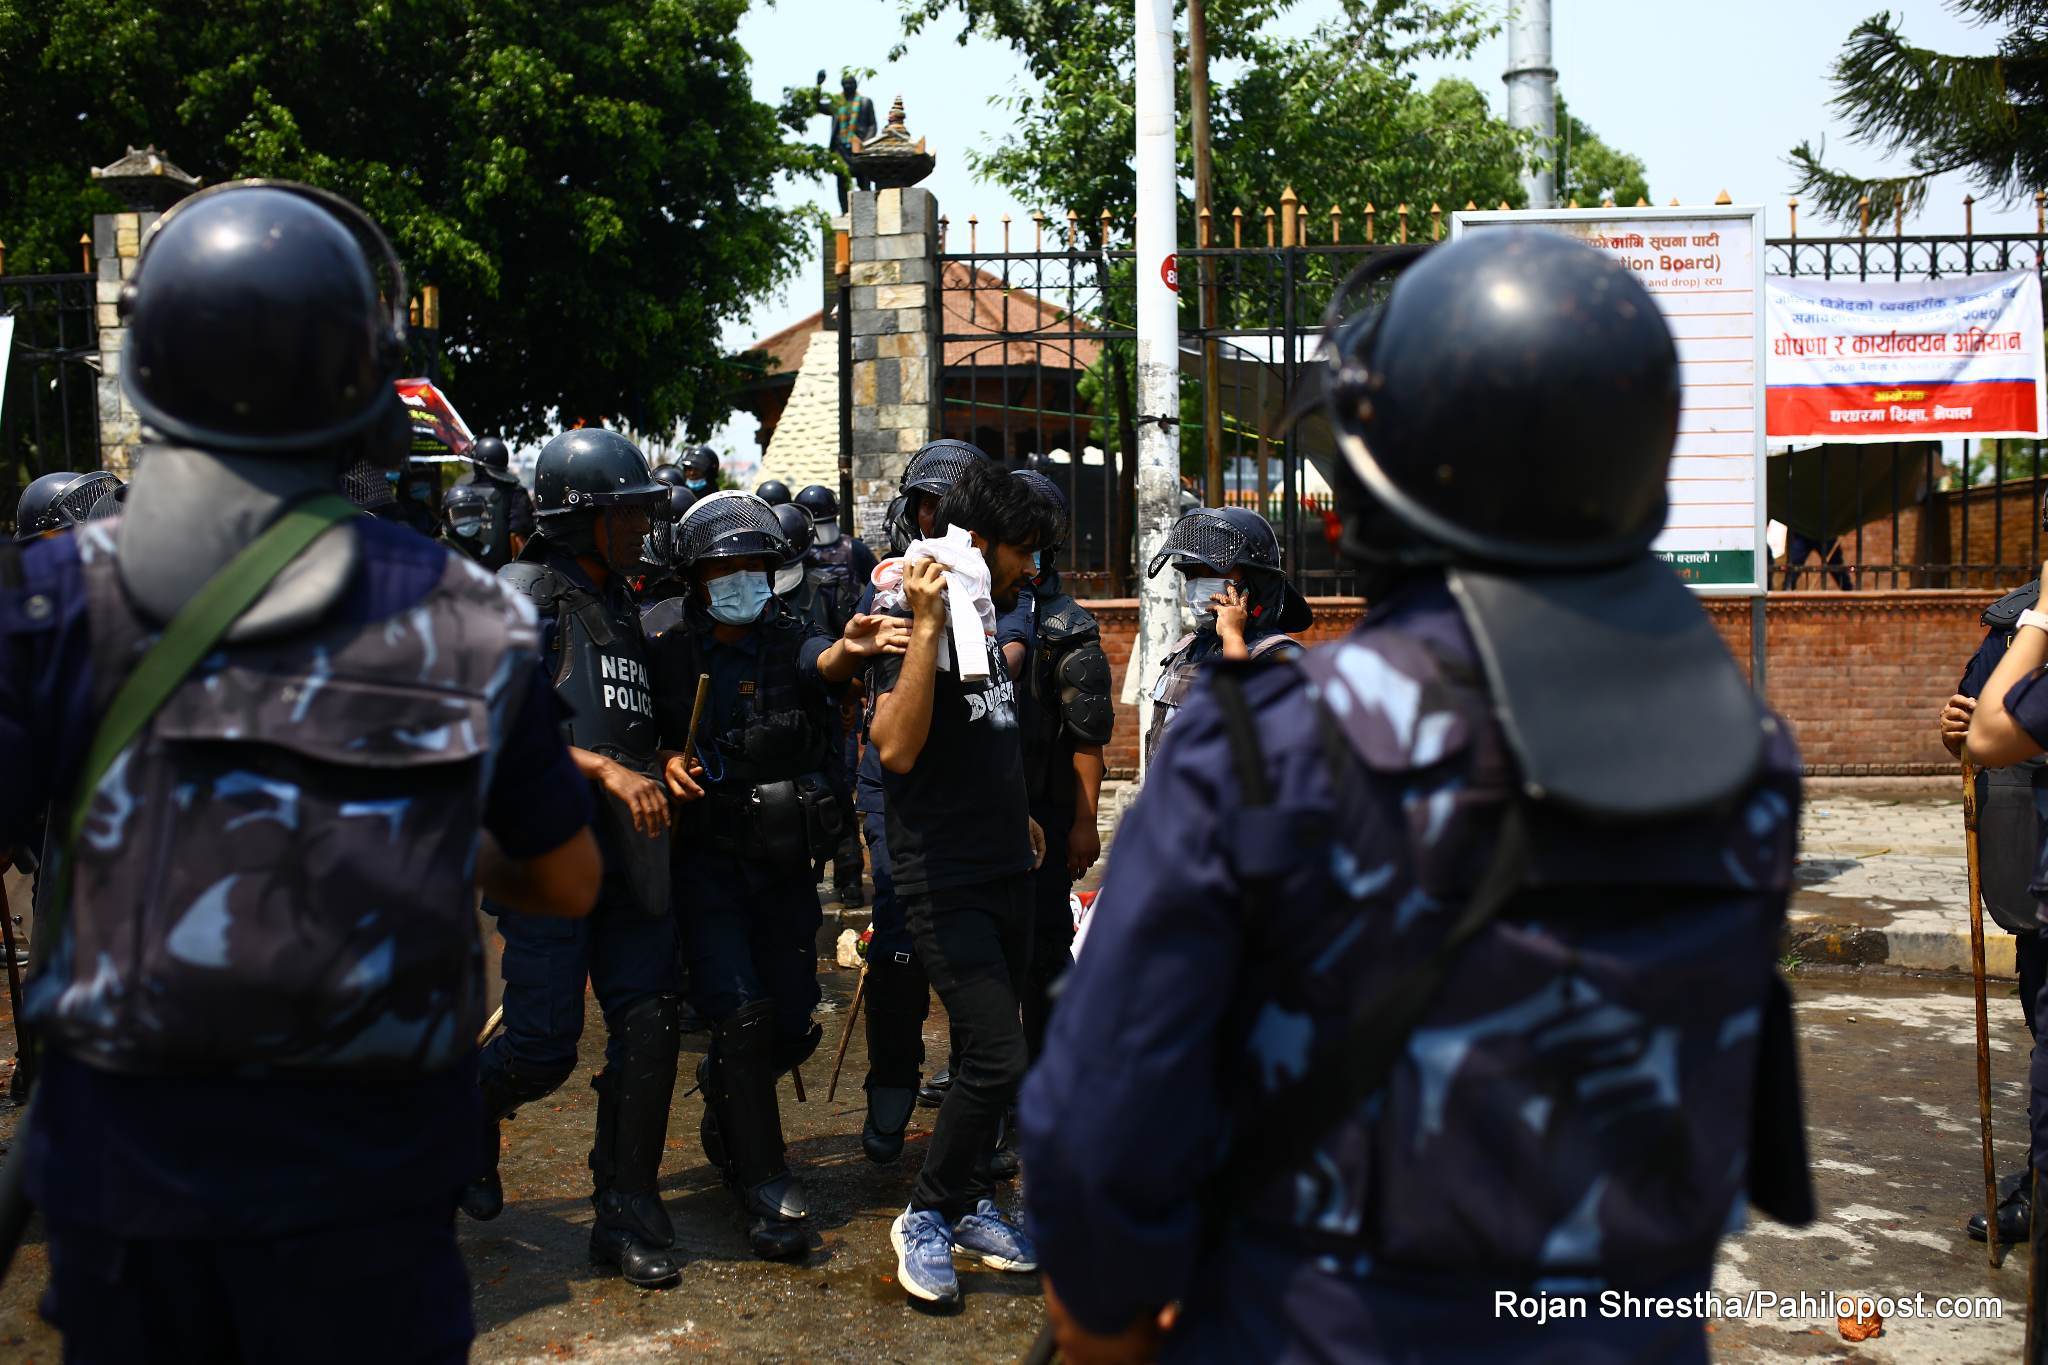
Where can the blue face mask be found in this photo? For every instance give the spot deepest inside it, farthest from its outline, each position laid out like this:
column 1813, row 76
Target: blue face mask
column 737, row 598
column 696, row 485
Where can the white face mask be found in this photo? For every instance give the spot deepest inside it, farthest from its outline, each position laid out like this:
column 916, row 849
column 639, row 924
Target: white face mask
column 1196, row 592
column 828, row 533
column 789, row 578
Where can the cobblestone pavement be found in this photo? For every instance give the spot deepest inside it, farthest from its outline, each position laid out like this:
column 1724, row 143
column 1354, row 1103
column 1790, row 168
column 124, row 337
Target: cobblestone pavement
column 1883, row 879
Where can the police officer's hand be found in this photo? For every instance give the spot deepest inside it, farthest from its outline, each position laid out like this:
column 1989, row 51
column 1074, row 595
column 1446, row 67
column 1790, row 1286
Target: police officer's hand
column 924, row 588
column 681, row 774
column 1955, row 721
column 1037, row 843
column 867, row 636
column 1084, row 844
column 1232, row 616
column 1078, row 1346
column 645, row 801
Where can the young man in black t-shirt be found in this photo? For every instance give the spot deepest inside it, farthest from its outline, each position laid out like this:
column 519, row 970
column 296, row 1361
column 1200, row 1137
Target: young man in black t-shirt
column 963, row 847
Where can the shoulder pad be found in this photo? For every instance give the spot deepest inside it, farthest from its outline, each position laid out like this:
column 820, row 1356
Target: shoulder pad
column 1063, row 621
column 2004, row 614
column 536, row 581
column 1279, row 646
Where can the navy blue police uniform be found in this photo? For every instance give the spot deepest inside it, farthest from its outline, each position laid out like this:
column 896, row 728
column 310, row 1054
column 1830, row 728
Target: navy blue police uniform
column 1411, row 1019
column 211, row 1216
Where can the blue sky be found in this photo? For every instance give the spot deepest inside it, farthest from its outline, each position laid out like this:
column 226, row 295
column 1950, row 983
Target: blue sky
column 1709, row 96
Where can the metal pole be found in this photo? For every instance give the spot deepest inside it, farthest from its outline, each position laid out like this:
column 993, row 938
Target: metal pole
column 1158, row 319
column 1205, row 269
column 1532, row 95
column 849, row 521
column 1970, row 849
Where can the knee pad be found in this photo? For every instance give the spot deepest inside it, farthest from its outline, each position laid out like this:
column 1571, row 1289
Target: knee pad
column 649, row 1028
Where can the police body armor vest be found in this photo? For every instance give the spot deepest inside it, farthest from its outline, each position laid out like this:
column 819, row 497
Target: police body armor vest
column 277, row 875
column 1578, row 1099
column 1177, row 678
column 600, row 668
column 767, row 794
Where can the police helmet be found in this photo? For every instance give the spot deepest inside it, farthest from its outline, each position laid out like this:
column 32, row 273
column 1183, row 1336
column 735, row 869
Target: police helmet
column 367, row 486
column 254, row 325
column 1225, row 538
column 464, row 508
column 1514, row 402
column 896, row 521
column 729, row 525
column 821, row 502
column 57, row 502
column 658, row 548
column 774, row 492
column 491, row 453
column 700, row 462
column 671, row 474
column 938, row 466
column 590, row 469
column 797, row 529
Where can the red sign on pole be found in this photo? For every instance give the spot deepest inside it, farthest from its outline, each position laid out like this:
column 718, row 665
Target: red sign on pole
column 1169, row 270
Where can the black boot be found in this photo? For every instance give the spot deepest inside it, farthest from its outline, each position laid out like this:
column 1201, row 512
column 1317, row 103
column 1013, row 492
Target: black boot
column 932, row 1093
column 889, row 1110
column 633, row 1232
column 504, row 1090
column 2015, row 1211
column 743, row 1122
column 1002, row 1162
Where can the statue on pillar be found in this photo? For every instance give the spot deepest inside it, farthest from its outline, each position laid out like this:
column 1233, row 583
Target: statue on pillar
column 853, row 119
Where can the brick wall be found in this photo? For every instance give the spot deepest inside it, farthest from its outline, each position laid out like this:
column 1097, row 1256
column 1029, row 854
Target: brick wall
column 1859, row 675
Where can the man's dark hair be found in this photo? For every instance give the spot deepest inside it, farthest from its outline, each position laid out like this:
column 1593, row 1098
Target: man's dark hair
column 996, row 507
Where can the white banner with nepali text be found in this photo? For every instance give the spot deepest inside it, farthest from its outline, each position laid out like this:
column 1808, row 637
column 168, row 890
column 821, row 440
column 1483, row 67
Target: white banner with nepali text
column 1852, row 361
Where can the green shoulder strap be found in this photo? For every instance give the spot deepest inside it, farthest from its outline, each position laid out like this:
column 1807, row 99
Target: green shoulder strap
column 190, row 636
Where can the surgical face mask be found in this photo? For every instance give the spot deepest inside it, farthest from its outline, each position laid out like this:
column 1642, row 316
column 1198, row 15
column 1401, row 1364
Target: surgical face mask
column 697, row 485
column 1196, row 592
column 738, row 598
column 468, row 528
column 789, row 578
column 828, row 533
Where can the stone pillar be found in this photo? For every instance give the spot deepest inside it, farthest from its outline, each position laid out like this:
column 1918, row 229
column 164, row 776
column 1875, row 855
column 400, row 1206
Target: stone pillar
column 894, row 274
column 116, row 246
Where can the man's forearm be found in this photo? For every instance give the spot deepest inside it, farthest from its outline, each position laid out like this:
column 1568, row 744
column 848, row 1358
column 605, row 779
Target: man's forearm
column 1088, row 770
column 590, row 765
column 903, row 716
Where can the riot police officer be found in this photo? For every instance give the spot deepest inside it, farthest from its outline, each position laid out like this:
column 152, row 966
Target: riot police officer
column 1408, row 985
column 700, row 470
column 58, row 502
column 2010, row 835
column 1232, row 588
column 806, row 592
column 750, row 924
column 774, row 492
column 473, row 524
column 491, row 469
column 848, row 567
column 260, row 998
column 596, row 503
column 1066, row 713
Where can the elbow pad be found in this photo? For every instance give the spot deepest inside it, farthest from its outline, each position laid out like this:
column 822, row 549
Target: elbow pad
column 1086, row 710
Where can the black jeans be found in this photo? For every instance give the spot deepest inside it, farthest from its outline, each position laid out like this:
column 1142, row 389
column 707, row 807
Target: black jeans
column 975, row 943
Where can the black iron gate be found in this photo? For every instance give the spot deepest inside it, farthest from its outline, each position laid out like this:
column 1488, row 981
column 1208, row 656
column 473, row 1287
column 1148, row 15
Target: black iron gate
column 1039, row 366
column 49, row 409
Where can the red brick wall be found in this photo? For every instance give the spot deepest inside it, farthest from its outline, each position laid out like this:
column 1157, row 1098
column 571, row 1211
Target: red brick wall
column 1860, row 675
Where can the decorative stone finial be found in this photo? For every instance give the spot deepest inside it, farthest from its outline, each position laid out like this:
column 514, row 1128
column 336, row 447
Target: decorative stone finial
column 146, row 179
column 891, row 160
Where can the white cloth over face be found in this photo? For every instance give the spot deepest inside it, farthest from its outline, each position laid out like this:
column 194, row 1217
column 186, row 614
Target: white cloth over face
column 970, row 607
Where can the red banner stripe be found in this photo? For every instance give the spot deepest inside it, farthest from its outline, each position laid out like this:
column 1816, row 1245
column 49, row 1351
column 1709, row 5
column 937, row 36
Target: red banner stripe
column 1828, row 411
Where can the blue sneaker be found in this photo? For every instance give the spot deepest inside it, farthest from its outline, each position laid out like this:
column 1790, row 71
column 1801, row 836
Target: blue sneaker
column 994, row 1238
column 924, row 1255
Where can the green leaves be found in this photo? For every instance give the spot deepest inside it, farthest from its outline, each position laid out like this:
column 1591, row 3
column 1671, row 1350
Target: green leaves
column 1985, row 117
column 589, row 184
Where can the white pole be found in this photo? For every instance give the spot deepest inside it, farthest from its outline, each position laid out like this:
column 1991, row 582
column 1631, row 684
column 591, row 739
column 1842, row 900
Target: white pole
column 1532, row 95
column 1158, row 345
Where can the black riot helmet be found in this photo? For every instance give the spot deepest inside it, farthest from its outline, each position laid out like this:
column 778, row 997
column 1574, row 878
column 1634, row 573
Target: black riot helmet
column 937, row 467
column 254, row 325
column 589, row 473
column 700, row 466
column 659, row 548
column 821, row 502
column 896, row 521
column 672, row 475
column 490, row 452
column 60, row 501
column 729, row 525
column 469, row 522
column 1049, row 493
column 1513, row 403
column 797, row 529
column 774, row 492
column 1226, row 538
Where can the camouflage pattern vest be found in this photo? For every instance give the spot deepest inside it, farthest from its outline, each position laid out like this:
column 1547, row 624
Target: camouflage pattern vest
column 1177, row 676
column 1578, row 1101
column 277, row 875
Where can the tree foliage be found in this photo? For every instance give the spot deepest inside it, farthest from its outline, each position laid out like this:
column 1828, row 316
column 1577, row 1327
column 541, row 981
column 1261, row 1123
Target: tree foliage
column 1593, row 170
column 1985, row 117
column 588, row 183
